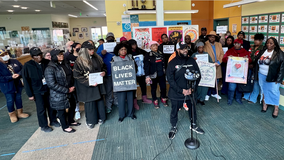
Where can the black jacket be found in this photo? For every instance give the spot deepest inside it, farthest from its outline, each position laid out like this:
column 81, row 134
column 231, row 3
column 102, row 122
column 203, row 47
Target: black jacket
column 246, row 45
column 138, row 51
column 33, row 73
column 176, row 78
column 161, row 48
column 86, row 93
column 203, row 38
column 150, row 65
column 276, row 66
column 57, row 83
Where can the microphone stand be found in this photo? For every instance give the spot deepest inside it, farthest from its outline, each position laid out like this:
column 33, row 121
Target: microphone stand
column 192, row 143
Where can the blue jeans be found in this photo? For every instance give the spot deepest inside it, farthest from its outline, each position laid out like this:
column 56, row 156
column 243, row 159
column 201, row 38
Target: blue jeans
column 14, row 98
column 212, row 90
column 231, row 92
column 254, row 94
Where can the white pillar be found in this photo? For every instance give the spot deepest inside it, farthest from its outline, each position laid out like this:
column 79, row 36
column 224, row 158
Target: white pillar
column 160, row 12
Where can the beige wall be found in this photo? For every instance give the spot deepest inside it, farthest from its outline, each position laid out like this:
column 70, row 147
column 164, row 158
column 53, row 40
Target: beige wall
column 269, row 6
column 15, row 22
column 85, row 22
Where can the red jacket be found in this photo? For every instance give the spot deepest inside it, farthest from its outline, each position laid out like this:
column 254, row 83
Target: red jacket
column 236, row 53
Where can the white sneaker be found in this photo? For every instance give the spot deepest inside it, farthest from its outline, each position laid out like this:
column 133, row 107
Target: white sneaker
column 207, row 98
column 216, row 96
column 77, row 116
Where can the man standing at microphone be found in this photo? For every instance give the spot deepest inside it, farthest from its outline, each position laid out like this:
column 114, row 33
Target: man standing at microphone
column 180, row 89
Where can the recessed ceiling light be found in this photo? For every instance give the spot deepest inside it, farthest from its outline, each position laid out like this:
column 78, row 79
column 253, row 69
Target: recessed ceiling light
column 24, row 7
column 10, row 10
column 16, row 6
column 90, row 4
column 72, row 15
column 37, row 10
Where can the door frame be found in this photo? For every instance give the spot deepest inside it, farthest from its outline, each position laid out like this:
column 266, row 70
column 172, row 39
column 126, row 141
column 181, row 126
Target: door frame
column 215, row 22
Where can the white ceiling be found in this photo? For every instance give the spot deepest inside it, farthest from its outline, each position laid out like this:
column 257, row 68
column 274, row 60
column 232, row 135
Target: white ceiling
column 63, row 7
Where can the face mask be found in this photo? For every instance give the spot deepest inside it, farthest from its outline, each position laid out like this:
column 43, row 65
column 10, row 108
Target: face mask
column 78, row 49
column 6, row 58
column 110, row 40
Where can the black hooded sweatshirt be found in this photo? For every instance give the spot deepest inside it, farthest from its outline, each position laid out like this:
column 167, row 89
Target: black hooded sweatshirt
column 176, row 78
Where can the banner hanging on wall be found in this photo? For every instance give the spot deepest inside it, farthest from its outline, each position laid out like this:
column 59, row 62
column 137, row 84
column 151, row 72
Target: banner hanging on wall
column 143, row 37
column 192, row 31
column 175, row 34
column 157, row 33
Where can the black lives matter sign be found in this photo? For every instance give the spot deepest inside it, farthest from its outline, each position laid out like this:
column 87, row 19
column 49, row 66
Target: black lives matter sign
column 123, row 76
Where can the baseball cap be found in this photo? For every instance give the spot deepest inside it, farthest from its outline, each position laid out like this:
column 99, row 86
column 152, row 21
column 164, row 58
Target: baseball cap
column 123, row 39
column 204, row 29
column 238, row 41
column 88, row 45
column 241, row 32
column 183, row 46
column 35, row 51
column 55, row 52
column 110, row 34
column 153, row 42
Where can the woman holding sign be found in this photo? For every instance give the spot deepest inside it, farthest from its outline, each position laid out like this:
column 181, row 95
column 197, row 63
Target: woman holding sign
column 121, row 76
column 270, row 71
column 201, row 91
column 236, row 51
column 88, row 62
column 138, row 55
column 154, row 66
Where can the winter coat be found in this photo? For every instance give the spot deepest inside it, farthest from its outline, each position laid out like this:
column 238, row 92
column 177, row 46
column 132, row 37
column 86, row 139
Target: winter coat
column 8, row 85
column 276, row 66
column 236, row 53
column 150, row 63
column 86, row 93
column 32, row 75
column 56, row 81
column 219, row 54
column 176, row 78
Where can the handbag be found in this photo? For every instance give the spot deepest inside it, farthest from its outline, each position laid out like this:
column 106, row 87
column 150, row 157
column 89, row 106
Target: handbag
column 247, row 88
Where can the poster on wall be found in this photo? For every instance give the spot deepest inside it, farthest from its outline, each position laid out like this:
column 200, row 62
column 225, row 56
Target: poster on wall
column 127, row 35
column 157, row 33
column 282, row 17
column 253, row 20
column 245, row 20
column 126, row 27
column 245, row 28
column 125, row 18
column 80, row 36
column 25, row 28
column 253, row 29
column 281, row 40
column 134, row 19
column 262, row 29
column 234, row 28
column 274, row 18
column 192, row 31
column 175, row 34
column 273, row 29
column 251, row 37
column 134, row 25
column 263, row 19
column 237, row 70
column 282, row 29
column 143, row 37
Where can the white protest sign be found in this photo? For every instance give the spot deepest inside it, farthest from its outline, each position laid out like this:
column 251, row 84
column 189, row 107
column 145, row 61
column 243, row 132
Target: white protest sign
column 221, row 29
column 202, row 57
column 208, row 74
column 95, row 78
column 225, row 49
column 109, row 47
column 168, row 49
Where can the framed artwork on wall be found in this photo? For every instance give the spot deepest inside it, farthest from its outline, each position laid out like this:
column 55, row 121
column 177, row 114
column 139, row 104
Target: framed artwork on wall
column 84, row 29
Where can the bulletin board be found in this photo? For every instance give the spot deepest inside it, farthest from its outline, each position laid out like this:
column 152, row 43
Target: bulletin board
column 271, row 25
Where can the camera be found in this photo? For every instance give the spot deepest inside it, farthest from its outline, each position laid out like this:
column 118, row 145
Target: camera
column 191, row 75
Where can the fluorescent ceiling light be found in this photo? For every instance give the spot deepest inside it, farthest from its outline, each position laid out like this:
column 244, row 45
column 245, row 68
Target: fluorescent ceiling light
column 10, row 10
column 24, row 7
column 180, row 11
column 16, row 6
column 90, row 4
column 72, row 16
column 105, row 15
column 241, row 3
column 37, row 10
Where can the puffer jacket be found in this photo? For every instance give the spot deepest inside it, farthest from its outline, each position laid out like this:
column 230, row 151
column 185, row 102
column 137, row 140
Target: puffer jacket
column 276, row 66
column 56, row 81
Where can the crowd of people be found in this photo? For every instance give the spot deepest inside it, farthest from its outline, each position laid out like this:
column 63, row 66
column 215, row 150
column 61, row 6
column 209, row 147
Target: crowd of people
column 58, row 81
